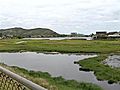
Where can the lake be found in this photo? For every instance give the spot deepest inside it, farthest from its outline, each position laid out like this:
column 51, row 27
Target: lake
column 55, row 64
column 61, row 38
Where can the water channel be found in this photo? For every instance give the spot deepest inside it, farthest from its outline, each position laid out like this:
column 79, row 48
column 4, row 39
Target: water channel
column 55, row 64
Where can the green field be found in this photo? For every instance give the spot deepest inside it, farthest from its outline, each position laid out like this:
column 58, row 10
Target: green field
column 63, row 46
column 101, row 47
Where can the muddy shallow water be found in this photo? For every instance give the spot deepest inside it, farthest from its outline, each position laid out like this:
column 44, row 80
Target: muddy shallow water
column 113, row 61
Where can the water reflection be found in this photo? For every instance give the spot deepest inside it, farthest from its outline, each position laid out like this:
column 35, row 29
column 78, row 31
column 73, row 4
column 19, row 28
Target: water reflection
column 57, row 65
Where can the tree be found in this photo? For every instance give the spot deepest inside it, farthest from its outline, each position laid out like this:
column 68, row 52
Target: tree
column 0, row 34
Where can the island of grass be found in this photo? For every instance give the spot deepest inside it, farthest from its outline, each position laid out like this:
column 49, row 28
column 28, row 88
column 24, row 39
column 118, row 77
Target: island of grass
column 51, row 83
column 102, row 72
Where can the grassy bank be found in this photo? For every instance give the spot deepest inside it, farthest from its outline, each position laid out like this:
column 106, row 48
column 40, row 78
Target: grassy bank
column 63, row 46
column 52, row 83
column 102, row 72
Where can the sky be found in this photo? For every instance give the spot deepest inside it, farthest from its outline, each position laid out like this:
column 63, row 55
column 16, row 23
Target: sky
column 62, row 16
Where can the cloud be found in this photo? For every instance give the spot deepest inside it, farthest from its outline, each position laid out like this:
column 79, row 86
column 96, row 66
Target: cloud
column 64, row 16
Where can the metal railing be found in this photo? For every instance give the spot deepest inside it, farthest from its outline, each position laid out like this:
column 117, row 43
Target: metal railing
column 12, row 81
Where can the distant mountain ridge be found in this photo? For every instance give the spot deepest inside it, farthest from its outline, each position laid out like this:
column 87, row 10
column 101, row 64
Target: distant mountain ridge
column 36, row 32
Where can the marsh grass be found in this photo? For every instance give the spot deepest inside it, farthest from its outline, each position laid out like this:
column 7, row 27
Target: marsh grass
column 102, row 72
column 51, row 83
column 101, row 47
column 63, row 46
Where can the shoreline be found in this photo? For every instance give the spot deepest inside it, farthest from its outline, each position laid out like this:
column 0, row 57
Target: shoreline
column 53, row 83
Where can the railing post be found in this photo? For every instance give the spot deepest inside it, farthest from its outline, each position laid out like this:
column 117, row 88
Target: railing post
column 21, row 80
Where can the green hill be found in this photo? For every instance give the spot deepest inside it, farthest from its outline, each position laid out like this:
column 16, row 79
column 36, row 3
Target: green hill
column 36, row 32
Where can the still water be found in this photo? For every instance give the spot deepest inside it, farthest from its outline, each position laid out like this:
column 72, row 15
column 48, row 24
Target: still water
column 57, row 65
column 60, row 38
column 113, row 61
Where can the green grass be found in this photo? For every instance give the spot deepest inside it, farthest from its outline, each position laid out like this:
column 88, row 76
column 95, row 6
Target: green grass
column 102, row 72
column 101, row 47
column 52, row 83
column 63, row 46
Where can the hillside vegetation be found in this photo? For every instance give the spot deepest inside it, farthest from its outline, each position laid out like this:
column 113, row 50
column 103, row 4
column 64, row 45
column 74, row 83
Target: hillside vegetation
column 37, row 32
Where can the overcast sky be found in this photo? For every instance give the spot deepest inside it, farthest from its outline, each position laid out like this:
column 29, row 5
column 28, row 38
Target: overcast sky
column 63, row 16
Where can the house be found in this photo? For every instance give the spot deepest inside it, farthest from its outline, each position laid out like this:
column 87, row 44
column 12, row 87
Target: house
column 105, row 35
column 111, row 33
column 115, row 35
column 73, row 34
column 100, row 35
